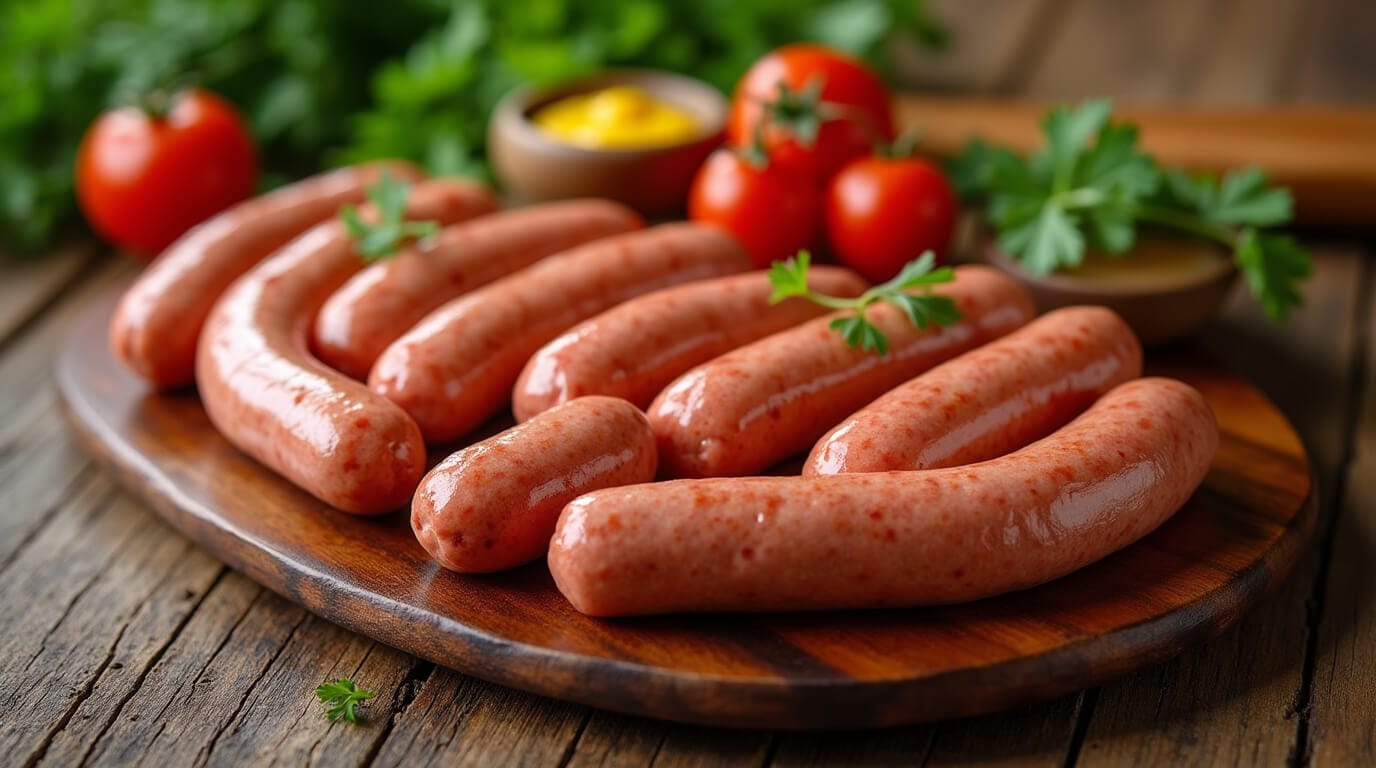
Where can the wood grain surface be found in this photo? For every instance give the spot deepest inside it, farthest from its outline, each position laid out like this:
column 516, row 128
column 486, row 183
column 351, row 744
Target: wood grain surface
column 1237, row 537
column 110, row 631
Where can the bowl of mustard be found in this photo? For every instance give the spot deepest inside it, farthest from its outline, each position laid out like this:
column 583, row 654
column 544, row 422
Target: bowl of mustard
column 635, row 136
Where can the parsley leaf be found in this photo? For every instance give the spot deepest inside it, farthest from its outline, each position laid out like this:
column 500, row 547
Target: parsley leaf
column 382, row 239
column 1091, row 186
column 341, row 699
column 910, row 291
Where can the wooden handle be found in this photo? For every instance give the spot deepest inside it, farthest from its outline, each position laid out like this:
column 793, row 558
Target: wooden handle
column 1326, row 155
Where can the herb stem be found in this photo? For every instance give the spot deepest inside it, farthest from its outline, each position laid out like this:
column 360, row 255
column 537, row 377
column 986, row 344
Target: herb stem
column 1186, row 222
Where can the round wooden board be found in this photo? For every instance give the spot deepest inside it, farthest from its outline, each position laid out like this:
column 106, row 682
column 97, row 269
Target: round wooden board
column 1237, row 537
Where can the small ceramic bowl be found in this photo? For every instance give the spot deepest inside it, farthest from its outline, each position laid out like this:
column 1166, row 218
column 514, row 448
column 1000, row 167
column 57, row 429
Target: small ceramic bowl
column 532, row 166
column 1167, row 288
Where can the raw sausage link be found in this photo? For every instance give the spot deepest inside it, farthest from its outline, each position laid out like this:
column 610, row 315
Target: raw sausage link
column 892, row 538
column 159, row 318
column 493, row 505
column 988, row 401
column 766, row 401
column 265, row 393
column 635, row 349
column 380, row 303
column 457, row 366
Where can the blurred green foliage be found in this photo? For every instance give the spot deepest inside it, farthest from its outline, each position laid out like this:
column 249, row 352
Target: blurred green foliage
column 326, row 82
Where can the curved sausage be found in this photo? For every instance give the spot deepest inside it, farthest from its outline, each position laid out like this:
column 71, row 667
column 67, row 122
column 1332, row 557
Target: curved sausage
column 159, row 318
column 766, row 401
column 384, row 300
column 892, row 538
column 988, row 401
column 635, row 349
column 457, row 366
column 493, row 505
column 265, row 393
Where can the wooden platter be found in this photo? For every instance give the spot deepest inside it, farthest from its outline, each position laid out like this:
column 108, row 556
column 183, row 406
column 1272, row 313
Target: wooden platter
column 1235, row 539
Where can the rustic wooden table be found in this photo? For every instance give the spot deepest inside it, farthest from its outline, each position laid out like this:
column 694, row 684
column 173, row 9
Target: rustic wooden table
column 122, row 642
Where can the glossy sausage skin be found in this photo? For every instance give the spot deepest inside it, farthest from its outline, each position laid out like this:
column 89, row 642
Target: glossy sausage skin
column 988, row 401
column 493, row 505
column 159, row 319
column 269, row 397
column 457, row 366
column 892, row 538
column 635, row 349
column 384, row 300
column 751, row 408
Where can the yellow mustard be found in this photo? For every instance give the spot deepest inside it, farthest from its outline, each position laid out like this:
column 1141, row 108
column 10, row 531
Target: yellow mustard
column 619, row 117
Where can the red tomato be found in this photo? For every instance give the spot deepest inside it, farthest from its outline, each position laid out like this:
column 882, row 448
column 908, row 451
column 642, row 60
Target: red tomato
column 143, row 180
column 882, row 213
column 773, row 211
column 846, row 83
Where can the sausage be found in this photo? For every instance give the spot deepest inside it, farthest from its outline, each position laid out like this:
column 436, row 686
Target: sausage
column 265, row 393
column 457, row 366
column 988, row 401
column 384, row 300
column 159, row 318
column 493, row 505
column 753, row 407
column 634, row 349
column 891, row 538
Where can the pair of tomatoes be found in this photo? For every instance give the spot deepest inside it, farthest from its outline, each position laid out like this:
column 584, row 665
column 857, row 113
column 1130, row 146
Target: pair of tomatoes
column 804, row 124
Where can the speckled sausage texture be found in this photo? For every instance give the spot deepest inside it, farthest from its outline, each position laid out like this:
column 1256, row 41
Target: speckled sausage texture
column 753, row 407
column 988, row 401
column 493, row 505
column 457, row 366
column 892, row 538
column 384, row 300
column 635, row 349
column 159, row 318
column 269, row 397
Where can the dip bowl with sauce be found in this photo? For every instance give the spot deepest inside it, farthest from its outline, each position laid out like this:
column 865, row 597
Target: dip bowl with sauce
column 1167, row 287
column 636, row 136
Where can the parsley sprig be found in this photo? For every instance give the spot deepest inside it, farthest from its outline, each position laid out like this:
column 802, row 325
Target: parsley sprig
column 341, row 699
column 910, row 290
column 375, row 242
column 1091, row 186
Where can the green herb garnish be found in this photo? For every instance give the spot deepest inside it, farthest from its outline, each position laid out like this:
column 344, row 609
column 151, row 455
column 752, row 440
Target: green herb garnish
column 1091, row 186
column 910, row 291
column 341, row 699
column 375, row 242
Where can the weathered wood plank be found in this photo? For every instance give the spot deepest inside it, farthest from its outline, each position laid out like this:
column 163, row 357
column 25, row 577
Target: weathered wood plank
column 903, row 746
column 39, row 463
column 609, row 740
column 1336, row 56
column 201, row 681
column 1028, row 737
column 28, row 285
column 1250, row 54
column 1342, row 714
column 1138, row 52
column 282, row 722
column 461, row 721
column 990, row 39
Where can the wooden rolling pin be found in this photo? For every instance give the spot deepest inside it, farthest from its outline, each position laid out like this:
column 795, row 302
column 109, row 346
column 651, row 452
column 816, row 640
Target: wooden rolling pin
column 1326, row 155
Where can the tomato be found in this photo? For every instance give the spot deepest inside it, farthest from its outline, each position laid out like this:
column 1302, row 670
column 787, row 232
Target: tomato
column 882, row 213
column 144, row 179
column 773, row 211
column 845, row 83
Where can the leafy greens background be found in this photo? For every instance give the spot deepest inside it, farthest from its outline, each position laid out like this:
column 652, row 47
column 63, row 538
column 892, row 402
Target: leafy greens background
column 324, row 82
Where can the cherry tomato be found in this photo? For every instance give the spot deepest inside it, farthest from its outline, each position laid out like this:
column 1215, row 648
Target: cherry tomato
column 882, row 213
column 773, row 210
column 845, row 83
column 143, row 179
